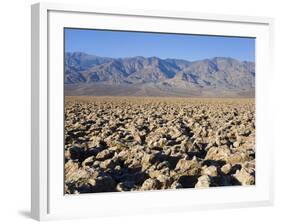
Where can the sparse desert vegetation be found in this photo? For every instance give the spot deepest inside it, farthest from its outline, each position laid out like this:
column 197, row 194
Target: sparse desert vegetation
column 146, row 143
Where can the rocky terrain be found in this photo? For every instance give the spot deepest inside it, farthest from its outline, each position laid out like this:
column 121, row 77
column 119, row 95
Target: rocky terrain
column 115, row 144
column 152, row 76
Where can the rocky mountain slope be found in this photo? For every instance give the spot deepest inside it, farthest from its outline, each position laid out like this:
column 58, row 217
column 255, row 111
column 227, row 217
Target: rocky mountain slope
column 93, row 75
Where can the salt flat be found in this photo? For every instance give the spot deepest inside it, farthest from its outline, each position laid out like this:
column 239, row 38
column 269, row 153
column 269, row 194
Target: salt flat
column 148, row 143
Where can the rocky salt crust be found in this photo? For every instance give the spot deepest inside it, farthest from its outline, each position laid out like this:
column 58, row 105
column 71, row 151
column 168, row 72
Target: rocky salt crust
column 140, row 143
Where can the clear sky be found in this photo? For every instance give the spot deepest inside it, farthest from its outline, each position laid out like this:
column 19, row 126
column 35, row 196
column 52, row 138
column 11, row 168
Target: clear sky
column 181, row 46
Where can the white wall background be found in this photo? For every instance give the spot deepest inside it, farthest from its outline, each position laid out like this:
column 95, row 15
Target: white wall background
column 15, row 109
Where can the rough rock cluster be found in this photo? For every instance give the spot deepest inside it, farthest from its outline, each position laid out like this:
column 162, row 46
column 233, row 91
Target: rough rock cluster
column 144, row 143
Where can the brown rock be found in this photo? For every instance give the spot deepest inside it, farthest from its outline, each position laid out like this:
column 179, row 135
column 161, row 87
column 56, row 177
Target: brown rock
column 165, row 181
column 73, row 173
column 236, row 144
column 147, row 160
column 150, row 184
column 100, row 184
column 107, row 164
column 218, row 153
column 189, row 167
column 209, row 170
column 88, row 161
column 226, row 168
column 244, row 177
column 105, row 154
column 203, row 182
column 239, row 157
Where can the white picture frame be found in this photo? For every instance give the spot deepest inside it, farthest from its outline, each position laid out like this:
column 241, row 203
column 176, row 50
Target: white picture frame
column 48, row 201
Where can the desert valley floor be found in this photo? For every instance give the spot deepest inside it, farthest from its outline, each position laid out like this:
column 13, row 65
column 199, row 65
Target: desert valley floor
column 115, row 144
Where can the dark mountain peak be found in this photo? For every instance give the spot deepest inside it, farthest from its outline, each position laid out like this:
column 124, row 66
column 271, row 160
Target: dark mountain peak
column 153, row 60
column 226, row 61
column 223, row 59
column 206, row 66
column 138, row 58
column 218, row 73
column 78, row 54
column 176, row 60
column 81, row 61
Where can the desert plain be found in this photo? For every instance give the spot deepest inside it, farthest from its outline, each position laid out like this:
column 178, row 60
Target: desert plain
column 115, row 144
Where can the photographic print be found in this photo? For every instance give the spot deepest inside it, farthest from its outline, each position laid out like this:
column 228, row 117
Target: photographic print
column 156, row 111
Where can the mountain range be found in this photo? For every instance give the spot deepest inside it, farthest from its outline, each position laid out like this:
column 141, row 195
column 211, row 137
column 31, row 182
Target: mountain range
column 87, row 74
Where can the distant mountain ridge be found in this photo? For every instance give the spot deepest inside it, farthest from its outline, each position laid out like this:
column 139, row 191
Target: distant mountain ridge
column 92, row 75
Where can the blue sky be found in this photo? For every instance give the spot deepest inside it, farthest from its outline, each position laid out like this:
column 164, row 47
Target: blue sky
column 181, row 46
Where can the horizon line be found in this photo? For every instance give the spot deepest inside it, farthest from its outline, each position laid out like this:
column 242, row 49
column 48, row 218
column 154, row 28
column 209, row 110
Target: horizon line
column 91, row 54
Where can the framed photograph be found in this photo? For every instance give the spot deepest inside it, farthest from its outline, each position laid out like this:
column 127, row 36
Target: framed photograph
column 148, row 111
